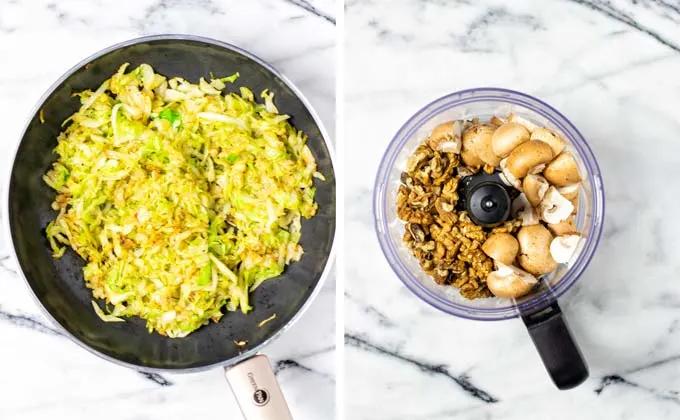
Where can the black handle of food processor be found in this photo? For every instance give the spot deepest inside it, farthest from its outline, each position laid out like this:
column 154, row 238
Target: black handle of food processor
column 556, row 346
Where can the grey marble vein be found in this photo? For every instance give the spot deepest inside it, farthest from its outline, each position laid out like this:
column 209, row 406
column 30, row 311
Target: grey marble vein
column 287, row 364
column 4, row 264
column 667, row 395
column 463, row 381
column 308, row 7
column 28, row 321
column 156, row 378
column 370, row 310
column 608, row 9
column 475, row 37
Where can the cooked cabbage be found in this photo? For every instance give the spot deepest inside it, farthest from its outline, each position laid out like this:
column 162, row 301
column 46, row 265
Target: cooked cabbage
column 180, row 199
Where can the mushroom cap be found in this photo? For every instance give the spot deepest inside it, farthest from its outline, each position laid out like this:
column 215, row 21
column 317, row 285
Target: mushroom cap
column 507, row 137
column 477, row 140
column 562, row 248
column 534, row 248
column 565, row 227
column 521, row 120
column 562, row 171
column 554, row 207
column 527, row 156
column 535, row 187
column 501, row 247
column 510, row 282
column 546, row 135
column 470, row 159
column 446, row 137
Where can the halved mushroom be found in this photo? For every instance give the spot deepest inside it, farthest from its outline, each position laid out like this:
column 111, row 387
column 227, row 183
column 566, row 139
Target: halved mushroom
column 554, row 208
column 565, row 227
column 507, row 137
column 496, row 121
column 570, row 192
column 510, row 282
column 507, row 177
column 527, row 156
column 470, row 159
column 546, row 135
column 446, row 137
column 562, row 171
column 501, row 247
column 522, row 208
column 562, row 248
column 521, row 120
column 534, row 250
column 477, row 141
column 535, row 187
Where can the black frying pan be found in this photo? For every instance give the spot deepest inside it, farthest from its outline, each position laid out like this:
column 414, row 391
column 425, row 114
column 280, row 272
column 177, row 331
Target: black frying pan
column 58, row 285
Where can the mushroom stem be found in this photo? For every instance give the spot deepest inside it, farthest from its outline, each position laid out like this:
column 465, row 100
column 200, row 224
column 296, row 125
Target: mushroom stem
column 535, row 187
column 554, row 208
column 522, row 208
column 562, row 248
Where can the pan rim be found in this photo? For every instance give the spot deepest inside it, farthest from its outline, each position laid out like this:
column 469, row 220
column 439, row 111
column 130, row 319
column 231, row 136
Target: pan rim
column 12, row 161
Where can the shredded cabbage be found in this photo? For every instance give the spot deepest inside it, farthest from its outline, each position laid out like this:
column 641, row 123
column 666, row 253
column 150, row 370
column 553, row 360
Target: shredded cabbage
column 181, row 200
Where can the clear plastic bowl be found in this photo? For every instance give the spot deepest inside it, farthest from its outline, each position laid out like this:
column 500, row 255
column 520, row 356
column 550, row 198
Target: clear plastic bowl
column 484, row 103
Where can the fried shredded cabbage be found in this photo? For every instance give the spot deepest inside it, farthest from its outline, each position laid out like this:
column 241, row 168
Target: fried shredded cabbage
column 180, row 199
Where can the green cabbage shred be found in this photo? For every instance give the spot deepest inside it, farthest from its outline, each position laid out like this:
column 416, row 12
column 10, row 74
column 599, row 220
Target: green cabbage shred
column 181, row 199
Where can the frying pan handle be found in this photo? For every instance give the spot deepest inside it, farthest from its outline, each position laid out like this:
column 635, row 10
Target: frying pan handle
column 556, row 346
column 257, row 390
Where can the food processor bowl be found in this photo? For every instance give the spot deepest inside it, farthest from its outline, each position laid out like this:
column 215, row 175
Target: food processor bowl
column 540, row 306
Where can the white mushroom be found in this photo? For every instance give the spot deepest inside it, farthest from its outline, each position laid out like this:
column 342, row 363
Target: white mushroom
column 562, row 171
column 562, row 248
column 447, row 137
column 501, row 247
column 523, row 121
column 535, row 187
column 477, row 143
column 548, row 136
column 510, row 282
column 522, row 208
column 570, row 192
column 565, row 227
column 527, row 156
column 534, row 250
column 536, row 169
column 554, row 207
column 496, row 121
column 507, row 137
column 507, row 177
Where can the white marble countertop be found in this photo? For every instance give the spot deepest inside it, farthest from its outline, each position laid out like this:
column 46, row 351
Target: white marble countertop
column 43, row 374
column 613, row 68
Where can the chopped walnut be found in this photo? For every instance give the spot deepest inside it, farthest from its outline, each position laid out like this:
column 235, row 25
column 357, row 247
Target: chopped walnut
column 445, row 241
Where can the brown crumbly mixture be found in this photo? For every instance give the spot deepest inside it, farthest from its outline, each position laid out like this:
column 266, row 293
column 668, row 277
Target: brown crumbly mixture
column 444, row 240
